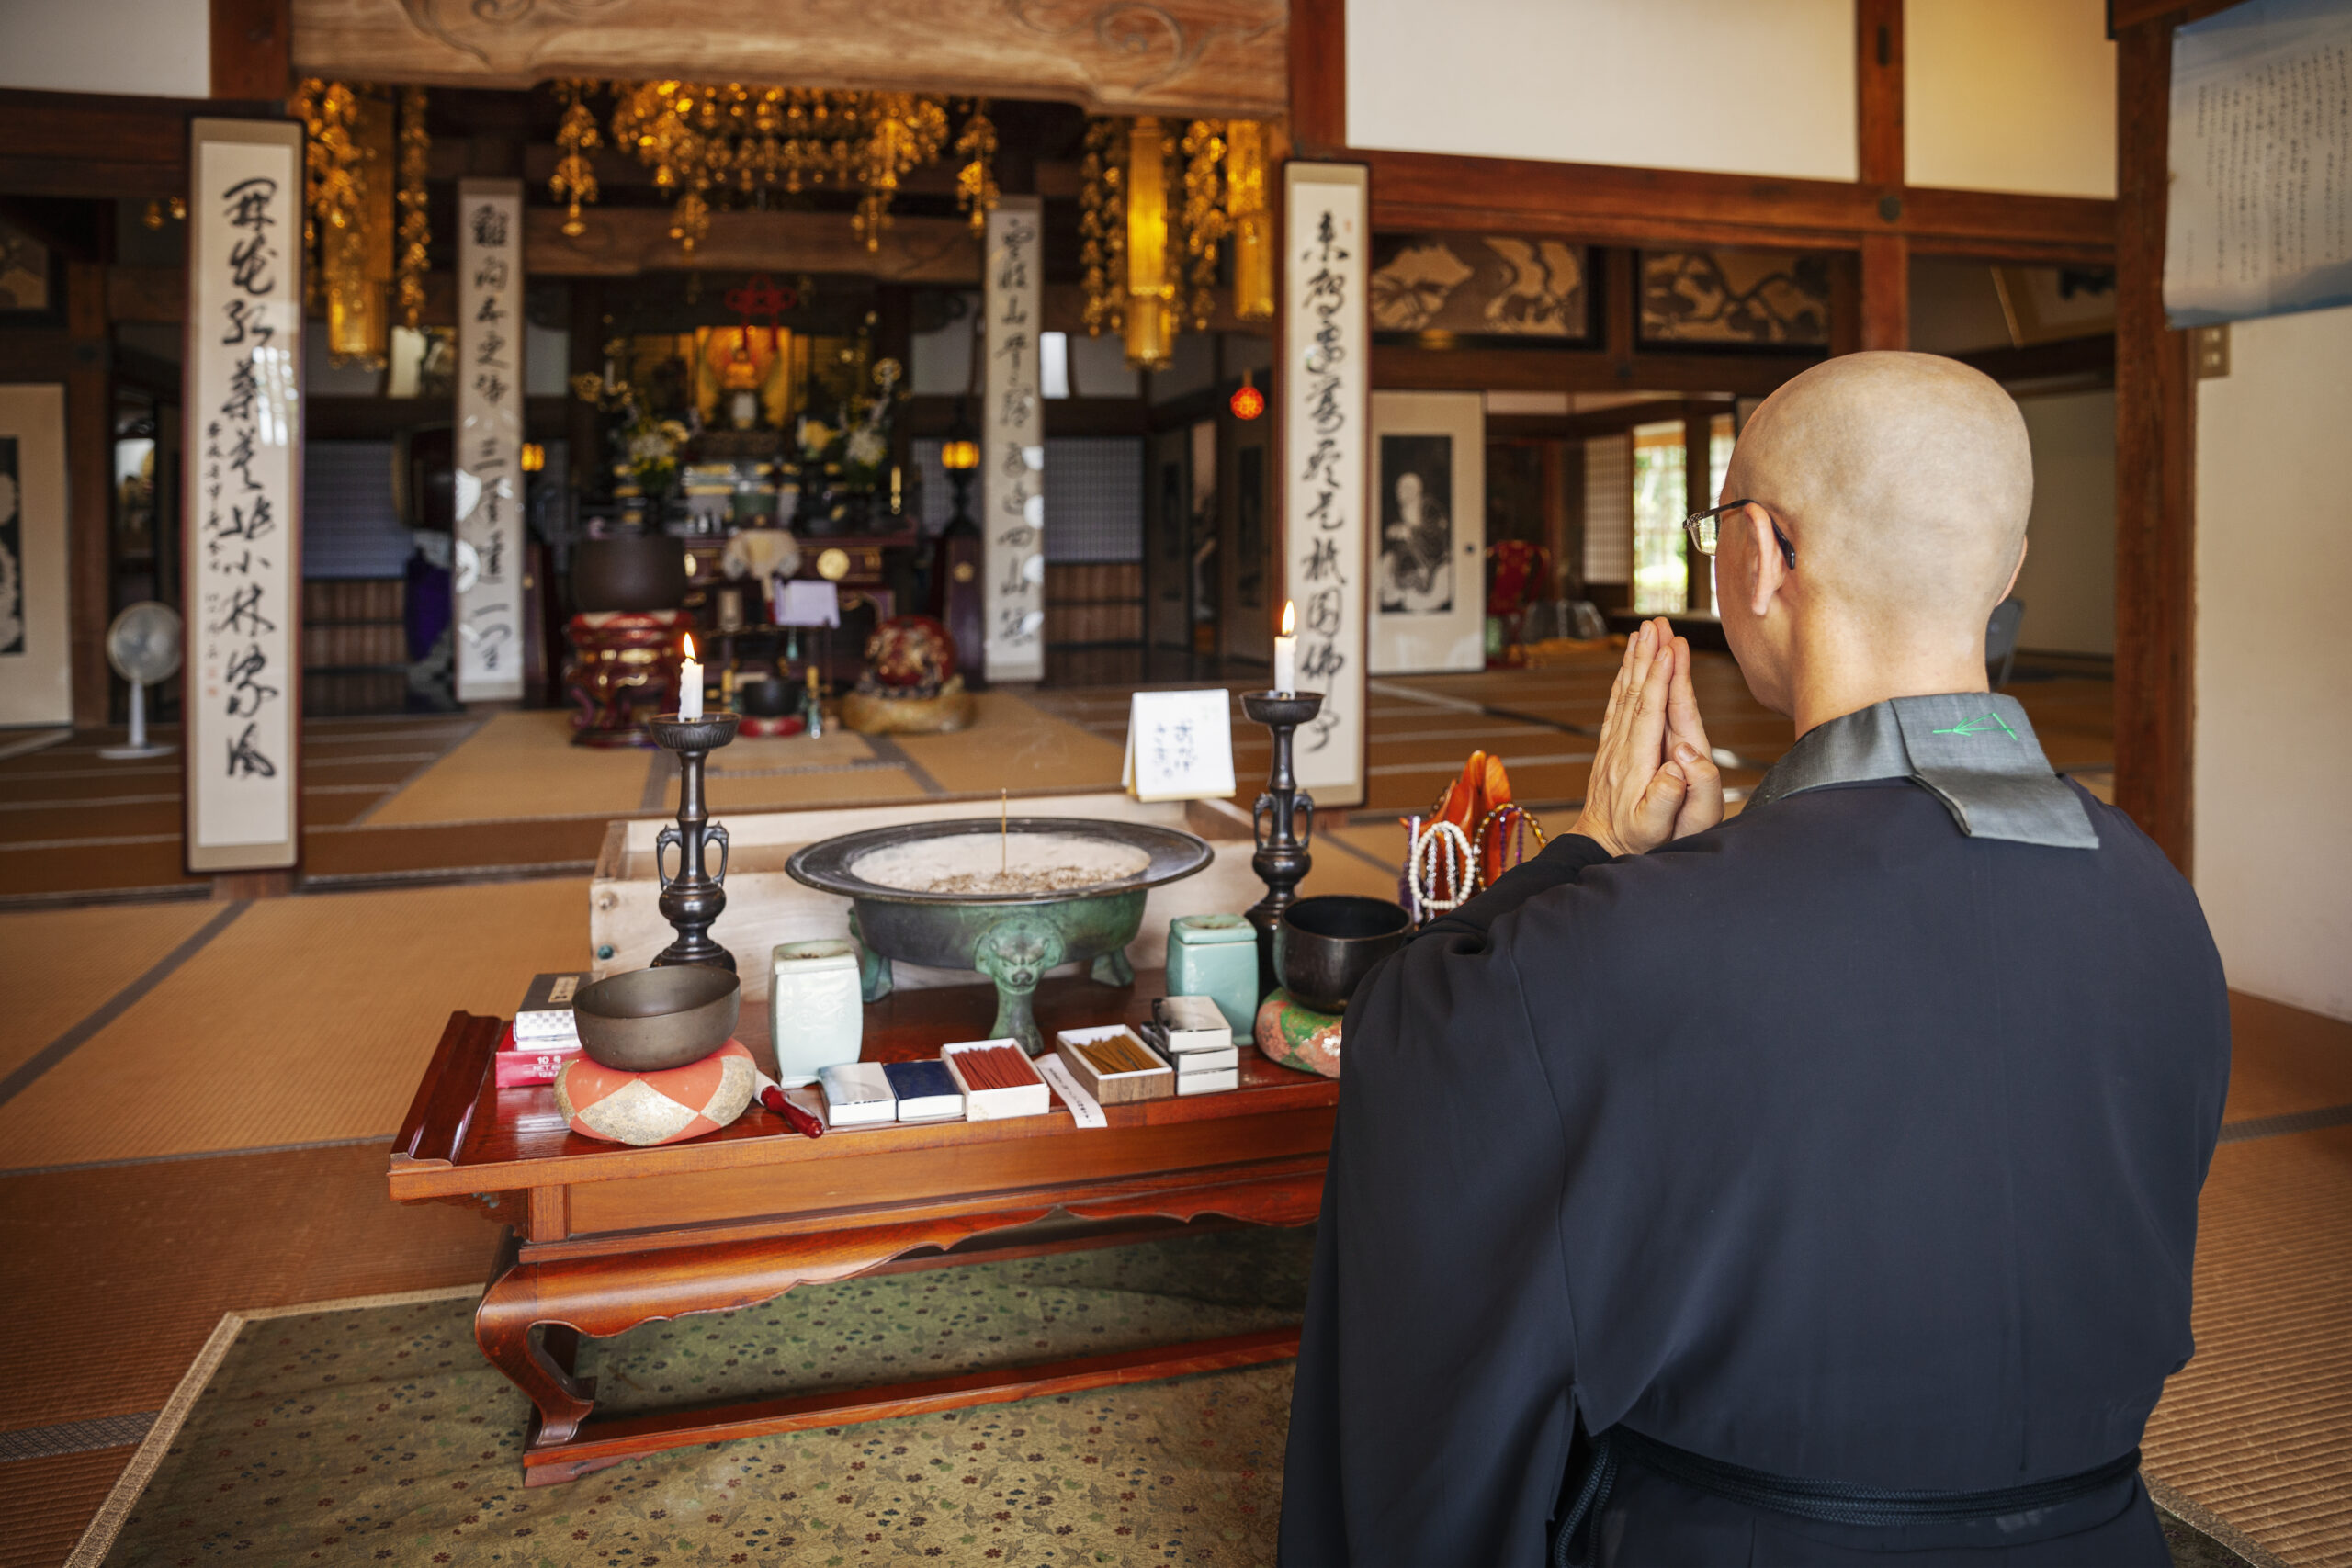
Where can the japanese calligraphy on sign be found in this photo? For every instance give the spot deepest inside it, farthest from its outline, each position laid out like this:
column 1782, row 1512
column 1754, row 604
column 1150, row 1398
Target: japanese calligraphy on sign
column 488, row 572
column 1012, row 449
column 2258, row 221
column 1326, row 379
column 242, row 549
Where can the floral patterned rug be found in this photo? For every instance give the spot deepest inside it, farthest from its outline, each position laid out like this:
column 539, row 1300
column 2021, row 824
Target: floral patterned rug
column 378, row 1434
column 375, row 1433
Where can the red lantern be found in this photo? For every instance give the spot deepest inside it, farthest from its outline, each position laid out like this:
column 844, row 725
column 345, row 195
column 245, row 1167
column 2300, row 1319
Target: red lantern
column 1248, row 402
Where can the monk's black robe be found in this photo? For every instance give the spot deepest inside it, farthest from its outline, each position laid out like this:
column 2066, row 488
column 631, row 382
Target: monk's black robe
column 1849, row 1141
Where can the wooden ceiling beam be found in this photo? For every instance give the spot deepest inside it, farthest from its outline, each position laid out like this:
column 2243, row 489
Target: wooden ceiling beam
column 1214, row 57
column 623, row 242
column 1678, row 207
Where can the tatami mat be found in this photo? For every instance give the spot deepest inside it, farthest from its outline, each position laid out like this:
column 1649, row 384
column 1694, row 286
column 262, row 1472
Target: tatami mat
column 2254, row 1428
column 1018, row 745
column 503, row 771
column 58, row 967
column 308, row 1018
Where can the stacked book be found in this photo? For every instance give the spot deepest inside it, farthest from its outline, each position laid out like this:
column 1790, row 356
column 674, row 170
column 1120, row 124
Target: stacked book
column 1193, row 1034
column 544, row 1035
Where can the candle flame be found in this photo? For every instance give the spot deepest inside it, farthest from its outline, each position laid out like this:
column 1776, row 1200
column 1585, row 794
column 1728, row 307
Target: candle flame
column 1290, row 617
column 690, row 642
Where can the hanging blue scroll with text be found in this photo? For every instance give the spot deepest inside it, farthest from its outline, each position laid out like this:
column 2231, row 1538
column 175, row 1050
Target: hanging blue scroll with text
column 1326, row 377
column 486, row 573
column 242, row 513
column 2259, row 217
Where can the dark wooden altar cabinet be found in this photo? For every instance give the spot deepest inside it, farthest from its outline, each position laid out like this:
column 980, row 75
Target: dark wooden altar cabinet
column 601, row 1238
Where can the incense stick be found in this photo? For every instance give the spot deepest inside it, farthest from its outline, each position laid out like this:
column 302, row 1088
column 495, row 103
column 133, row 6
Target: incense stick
column 1004, row 832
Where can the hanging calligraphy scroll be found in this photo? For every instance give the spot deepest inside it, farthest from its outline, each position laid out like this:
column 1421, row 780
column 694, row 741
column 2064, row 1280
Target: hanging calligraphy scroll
column 1012, row 450
column 487, row 574
column 242, row 551
column 1326, row 384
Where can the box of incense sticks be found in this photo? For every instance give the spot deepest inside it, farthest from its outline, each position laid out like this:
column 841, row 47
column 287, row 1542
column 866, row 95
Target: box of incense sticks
column 997, row 1081
column 1114, row 1065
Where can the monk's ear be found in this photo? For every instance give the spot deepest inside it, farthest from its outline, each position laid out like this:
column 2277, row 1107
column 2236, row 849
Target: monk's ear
column 1768, row 567
column 2018, row 571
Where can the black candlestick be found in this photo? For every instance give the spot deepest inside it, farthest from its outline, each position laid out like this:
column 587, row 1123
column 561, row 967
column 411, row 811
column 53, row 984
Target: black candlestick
column 693, row 899
column 1282, row 859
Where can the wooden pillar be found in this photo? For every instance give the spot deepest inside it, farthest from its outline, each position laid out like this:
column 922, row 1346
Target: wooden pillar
column 1886, row 291
column 253, row 49
column 1698, row 485
column 2155, row 434
column 1885, row 302
column 1318, row 77
column 89, row 486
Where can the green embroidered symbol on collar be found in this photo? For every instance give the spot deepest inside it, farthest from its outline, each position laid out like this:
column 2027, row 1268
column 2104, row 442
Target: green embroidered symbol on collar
column 1983, row 724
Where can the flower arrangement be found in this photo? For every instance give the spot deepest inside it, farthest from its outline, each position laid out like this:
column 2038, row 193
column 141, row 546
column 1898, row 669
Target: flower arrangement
column 651, row 447
column 816, row 440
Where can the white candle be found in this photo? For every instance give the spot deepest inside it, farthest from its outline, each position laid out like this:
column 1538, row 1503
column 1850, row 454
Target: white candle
column 1286, row 653
column 689, row 684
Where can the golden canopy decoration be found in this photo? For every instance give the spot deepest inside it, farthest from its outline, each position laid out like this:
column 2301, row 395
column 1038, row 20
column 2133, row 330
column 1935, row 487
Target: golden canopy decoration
column 1150, row 265
column 714, row 143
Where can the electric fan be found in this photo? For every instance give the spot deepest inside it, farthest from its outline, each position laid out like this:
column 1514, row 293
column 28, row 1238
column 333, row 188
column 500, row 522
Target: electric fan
column 143, row 646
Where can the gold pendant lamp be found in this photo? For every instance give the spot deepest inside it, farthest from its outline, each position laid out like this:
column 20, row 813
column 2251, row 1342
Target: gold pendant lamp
column 1151, row 289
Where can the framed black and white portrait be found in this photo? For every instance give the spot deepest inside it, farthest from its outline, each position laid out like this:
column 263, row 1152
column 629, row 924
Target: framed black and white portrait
column 36, row 669
column 1428, row 600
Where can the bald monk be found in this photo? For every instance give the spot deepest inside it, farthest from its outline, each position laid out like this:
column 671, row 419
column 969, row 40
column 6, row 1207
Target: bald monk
column 1813, row 1187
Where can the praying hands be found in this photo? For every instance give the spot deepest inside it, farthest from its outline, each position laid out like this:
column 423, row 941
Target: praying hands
column 1654, row 775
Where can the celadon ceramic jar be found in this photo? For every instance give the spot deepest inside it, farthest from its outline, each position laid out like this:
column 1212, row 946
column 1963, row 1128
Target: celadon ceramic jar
column 816, row 1016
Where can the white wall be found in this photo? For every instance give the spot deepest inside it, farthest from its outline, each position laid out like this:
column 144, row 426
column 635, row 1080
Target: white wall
column 2068, row 584
column 148, row 48
column 2274, row 660
column 2010, row 94
column 1759, row 86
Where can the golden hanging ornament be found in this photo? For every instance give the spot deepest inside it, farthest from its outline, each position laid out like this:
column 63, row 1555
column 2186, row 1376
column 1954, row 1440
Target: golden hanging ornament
column 575, row 180
column 1151, row 322
column 416, row 225
column 1103, row 226
column 709, row 143
column 1204, row 221
column 348, row 217
column 1249, row 219
column 976, row 189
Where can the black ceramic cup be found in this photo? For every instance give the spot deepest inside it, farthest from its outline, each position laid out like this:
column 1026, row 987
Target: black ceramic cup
column 1324, row 947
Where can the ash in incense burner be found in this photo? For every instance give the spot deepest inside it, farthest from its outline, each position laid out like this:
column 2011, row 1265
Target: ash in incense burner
column 1010, row 898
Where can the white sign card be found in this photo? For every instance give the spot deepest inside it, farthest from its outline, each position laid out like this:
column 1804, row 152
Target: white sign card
column 1428, row 500
column 1012, row 449
column 1180, row 746
column 2258, row 221
column 1326, row 384
column 487, row 575
column 243, row 519
column 36, row 656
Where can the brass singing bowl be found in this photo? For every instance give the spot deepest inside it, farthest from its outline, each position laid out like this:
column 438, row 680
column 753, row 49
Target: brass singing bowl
column 653, row 1019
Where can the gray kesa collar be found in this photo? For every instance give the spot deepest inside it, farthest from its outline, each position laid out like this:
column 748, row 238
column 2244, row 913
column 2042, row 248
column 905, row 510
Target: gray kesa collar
column 1973, row 750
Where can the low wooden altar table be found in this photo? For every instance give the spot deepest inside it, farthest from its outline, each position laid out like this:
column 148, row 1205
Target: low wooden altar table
column 601, row 1238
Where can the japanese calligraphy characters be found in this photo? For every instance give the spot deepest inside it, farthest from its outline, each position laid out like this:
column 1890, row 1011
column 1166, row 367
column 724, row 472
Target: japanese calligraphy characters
column 243, row 512
column 2259, row 218
column 1325, row 378
column 1012, row 450
column 488, row 576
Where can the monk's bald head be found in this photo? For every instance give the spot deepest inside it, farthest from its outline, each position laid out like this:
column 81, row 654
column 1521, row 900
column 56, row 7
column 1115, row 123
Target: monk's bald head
column 1903, row 481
